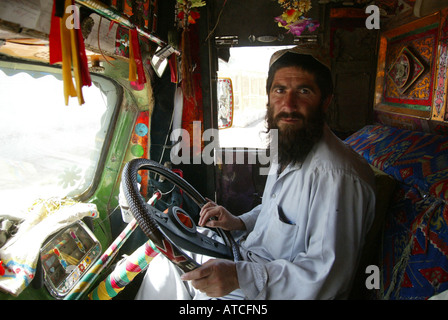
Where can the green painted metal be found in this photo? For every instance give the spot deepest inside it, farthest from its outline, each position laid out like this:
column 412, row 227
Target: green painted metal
column 106, row 194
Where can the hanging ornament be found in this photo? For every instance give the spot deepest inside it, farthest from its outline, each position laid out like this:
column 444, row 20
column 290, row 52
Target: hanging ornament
column 137, row 76
column 293, row 17
column 67, row 46
column 187, row 14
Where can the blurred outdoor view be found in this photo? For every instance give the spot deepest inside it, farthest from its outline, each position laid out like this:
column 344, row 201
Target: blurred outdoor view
column 48, row 149
column 248, row 70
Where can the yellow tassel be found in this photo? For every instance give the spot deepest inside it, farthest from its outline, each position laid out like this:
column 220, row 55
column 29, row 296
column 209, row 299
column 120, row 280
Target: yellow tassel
column 70, row 58
column 132, row 64
column 69, row 89
column 76, row 66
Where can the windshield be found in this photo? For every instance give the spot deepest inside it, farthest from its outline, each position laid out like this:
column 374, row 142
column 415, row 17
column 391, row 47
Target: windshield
column 248, row 70
column 49, row 149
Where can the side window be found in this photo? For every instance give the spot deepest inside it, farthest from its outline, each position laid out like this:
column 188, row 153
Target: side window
column 248, row 70
column 49, row 149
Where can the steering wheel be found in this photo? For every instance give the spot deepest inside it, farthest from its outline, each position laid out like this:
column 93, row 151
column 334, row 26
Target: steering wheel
column 173, row 230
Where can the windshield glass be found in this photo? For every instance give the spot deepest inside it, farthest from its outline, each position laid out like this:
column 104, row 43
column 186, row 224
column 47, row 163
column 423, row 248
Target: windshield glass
column 49, row 149
column 248, row 70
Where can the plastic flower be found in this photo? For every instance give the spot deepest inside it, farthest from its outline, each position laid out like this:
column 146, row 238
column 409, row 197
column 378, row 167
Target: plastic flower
column 185, row 11
column 194, row 15
column 304, row 5
column 301, row 25
column 290, row 15
column 197, row 3
column 293, row 18
column 281, row 22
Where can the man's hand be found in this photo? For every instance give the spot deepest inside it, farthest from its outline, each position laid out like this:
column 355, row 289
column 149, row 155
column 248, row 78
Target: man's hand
column 222, row 218
column 216, row 278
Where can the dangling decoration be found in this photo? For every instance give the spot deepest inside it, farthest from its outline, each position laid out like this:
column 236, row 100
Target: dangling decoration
column 173, row 68
column 137, row 76
column 186, row 66
column 186, row 14
column 293, row 17
column 67, row 46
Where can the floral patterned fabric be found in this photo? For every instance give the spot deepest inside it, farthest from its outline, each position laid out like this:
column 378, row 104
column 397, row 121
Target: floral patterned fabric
column 414, row 257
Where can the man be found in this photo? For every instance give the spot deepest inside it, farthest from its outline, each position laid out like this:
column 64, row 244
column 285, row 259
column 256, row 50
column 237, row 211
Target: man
column 303, row 241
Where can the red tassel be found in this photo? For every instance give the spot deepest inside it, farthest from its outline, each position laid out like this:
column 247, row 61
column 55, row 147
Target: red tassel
column 55, row 37
column 173, row 68
column 85, row 74
column 137, row 57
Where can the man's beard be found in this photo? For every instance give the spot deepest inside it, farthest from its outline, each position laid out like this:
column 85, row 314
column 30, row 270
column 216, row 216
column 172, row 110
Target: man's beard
column 294, row 143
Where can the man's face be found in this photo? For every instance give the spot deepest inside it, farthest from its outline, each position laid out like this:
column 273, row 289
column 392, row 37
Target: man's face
column 296, row 109
column 293, row 98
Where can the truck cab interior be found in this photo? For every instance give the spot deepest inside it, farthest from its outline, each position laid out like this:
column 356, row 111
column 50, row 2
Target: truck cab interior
column 112, row 111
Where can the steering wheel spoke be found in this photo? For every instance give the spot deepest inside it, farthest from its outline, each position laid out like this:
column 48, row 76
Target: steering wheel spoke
column 173, row 230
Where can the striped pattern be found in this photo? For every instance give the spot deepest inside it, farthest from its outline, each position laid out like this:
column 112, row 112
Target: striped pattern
column 125, row 272
column 101, row 263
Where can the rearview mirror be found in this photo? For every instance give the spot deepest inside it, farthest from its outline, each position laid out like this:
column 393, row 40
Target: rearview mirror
column 225, row 103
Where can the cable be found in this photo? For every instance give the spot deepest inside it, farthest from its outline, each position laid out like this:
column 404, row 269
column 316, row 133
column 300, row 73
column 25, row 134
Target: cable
column 217, row 20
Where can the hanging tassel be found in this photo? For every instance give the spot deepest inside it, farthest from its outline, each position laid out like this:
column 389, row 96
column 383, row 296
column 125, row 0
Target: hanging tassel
column 137, row 76
column 55, row 31
column 132, row 65
column 86, row 80
column 186, row 68
column 76, row 65
column 173, row 68
column 69, row 88
column 67, row 46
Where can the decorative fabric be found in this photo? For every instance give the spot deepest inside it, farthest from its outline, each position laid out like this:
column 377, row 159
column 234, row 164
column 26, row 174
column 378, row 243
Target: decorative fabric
column 414, row 257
